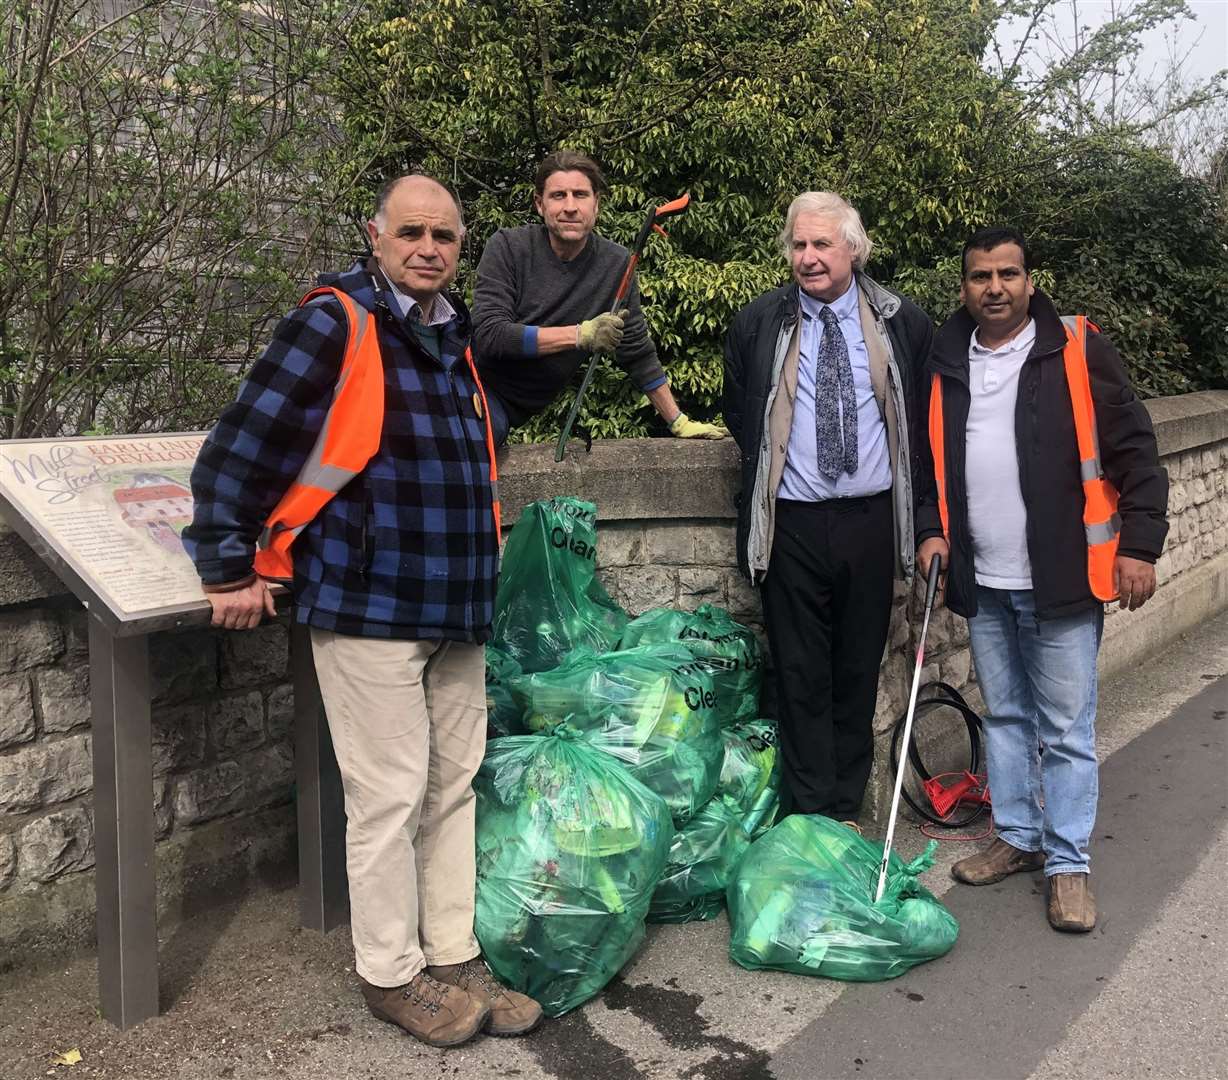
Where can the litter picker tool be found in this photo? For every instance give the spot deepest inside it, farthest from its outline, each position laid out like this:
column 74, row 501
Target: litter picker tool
column 931, row 589
column 651, row 224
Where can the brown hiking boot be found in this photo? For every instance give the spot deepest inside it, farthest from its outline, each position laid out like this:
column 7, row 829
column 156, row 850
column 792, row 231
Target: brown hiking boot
column 511, row 1013
column 996, row 862
column 431, row 1011
column 1072, row 907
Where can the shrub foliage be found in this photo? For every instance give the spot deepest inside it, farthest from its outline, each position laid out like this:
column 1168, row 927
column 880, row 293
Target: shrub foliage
column 156, row 157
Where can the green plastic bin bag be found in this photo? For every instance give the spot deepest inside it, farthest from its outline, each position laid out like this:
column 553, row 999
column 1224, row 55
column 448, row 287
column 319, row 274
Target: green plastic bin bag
column 651, row 707
column 701, row 863
column 712, row 635
column 569, row 849
column 549, row 600
column 502, row 712
column 802, row 901
column 750, row 774
column 706, row 849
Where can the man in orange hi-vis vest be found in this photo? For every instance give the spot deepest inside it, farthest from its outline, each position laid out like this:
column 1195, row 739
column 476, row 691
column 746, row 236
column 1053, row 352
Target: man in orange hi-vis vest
column 357, row 463
column 1049, row 501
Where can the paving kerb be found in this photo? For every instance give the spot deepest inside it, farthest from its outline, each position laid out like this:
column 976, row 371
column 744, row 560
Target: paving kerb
column 249, row 995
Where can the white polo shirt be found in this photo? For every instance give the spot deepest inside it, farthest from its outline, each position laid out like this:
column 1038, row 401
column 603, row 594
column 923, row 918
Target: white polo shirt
column 997, row 517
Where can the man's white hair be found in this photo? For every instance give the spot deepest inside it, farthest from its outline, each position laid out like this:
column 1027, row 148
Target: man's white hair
column 829, row 204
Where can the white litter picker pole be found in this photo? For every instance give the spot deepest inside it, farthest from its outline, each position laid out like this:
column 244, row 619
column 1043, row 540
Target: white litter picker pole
column 931, row 588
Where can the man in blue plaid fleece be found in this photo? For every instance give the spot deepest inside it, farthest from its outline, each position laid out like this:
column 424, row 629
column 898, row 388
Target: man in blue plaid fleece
column 396, row 579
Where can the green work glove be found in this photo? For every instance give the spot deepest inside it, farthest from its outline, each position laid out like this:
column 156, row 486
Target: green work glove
column 603, row 333
column 686, row 428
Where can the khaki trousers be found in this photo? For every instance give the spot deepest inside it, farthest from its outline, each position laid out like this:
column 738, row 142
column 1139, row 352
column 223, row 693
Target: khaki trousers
column 408, row 723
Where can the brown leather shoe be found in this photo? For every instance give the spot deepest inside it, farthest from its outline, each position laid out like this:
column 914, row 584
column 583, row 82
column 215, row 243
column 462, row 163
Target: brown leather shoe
column 511, row 1013
column 1072, row 908
column 996, row 862
column 431, row 1011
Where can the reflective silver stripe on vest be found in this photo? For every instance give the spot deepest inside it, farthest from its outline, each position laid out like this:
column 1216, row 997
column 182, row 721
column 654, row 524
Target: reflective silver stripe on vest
column 329, row 477
column 1090, row 469
column 494, row 491
column 270, row 531
column 1103, row 532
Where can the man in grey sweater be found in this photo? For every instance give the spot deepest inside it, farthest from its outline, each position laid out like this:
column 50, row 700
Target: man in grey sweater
column 542, row 305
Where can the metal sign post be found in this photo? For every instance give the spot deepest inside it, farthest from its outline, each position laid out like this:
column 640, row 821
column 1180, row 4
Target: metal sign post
column 323, row 888
column 123, row 826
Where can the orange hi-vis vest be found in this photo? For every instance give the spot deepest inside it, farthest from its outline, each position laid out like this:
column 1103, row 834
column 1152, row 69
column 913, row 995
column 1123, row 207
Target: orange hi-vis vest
column 349, row 438
column 1101, row 523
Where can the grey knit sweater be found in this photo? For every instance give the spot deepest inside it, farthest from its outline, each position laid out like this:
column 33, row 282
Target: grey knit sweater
column 522, row 285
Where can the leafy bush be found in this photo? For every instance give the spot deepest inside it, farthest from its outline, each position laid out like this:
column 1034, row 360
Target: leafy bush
column 1145, row 257
column 178, row 176
column 745, row 104
column 161, row 197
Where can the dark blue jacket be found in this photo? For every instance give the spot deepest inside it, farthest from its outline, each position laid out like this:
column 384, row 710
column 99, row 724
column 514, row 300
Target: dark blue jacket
column 407, row 549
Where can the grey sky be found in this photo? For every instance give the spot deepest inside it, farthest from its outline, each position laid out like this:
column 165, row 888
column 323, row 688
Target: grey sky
column 1205, row 36
column 1207, row 33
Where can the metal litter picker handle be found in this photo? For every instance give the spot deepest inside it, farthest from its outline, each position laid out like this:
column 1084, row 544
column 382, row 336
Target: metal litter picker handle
column 931, row 589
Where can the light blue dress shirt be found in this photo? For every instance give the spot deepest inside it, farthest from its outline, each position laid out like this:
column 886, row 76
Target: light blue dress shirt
column 411, row 310
column 801, row 479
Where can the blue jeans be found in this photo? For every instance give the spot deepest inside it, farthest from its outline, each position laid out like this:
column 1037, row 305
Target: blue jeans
column 1038, row 678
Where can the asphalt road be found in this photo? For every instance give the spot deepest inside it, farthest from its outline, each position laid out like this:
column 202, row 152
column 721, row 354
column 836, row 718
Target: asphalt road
column 246, row 994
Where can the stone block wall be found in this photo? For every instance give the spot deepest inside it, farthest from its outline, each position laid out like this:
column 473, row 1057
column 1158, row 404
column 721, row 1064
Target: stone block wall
column 1197, row 509
column 221, row 718
column 223, row 702
column 1192, row 572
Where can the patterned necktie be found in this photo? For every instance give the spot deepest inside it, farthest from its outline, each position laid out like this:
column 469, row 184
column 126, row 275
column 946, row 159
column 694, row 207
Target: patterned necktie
column 835, row 402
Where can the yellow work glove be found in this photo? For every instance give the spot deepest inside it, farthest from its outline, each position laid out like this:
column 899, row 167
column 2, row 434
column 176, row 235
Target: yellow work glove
column 601, row 334
column 685, row 428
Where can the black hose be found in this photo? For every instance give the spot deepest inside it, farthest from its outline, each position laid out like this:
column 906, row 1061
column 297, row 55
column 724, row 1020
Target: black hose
column 942, row 696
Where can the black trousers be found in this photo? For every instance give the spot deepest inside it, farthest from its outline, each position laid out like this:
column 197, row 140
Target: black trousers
column 827, row 606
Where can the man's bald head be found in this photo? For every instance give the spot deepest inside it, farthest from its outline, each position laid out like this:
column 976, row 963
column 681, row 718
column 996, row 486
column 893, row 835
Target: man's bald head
column 416, row 236
column 414, row 180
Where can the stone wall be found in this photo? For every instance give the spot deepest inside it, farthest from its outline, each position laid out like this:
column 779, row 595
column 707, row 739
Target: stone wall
column 221, row 717
column 222, row 710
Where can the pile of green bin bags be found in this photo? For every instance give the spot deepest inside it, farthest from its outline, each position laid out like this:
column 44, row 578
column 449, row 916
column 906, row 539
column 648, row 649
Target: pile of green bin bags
column 621, row 773
column 801, row 900
column 569, row 849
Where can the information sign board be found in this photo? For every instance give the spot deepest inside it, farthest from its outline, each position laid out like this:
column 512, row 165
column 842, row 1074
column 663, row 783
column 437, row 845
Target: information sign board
column 107, row 513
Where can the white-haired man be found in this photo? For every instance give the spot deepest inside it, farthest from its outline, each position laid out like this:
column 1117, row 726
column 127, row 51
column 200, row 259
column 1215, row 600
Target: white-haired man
column 822, row 383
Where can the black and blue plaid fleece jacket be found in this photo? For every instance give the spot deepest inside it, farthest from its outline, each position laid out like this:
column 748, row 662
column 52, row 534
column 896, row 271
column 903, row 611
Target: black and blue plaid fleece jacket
column 408, row 548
